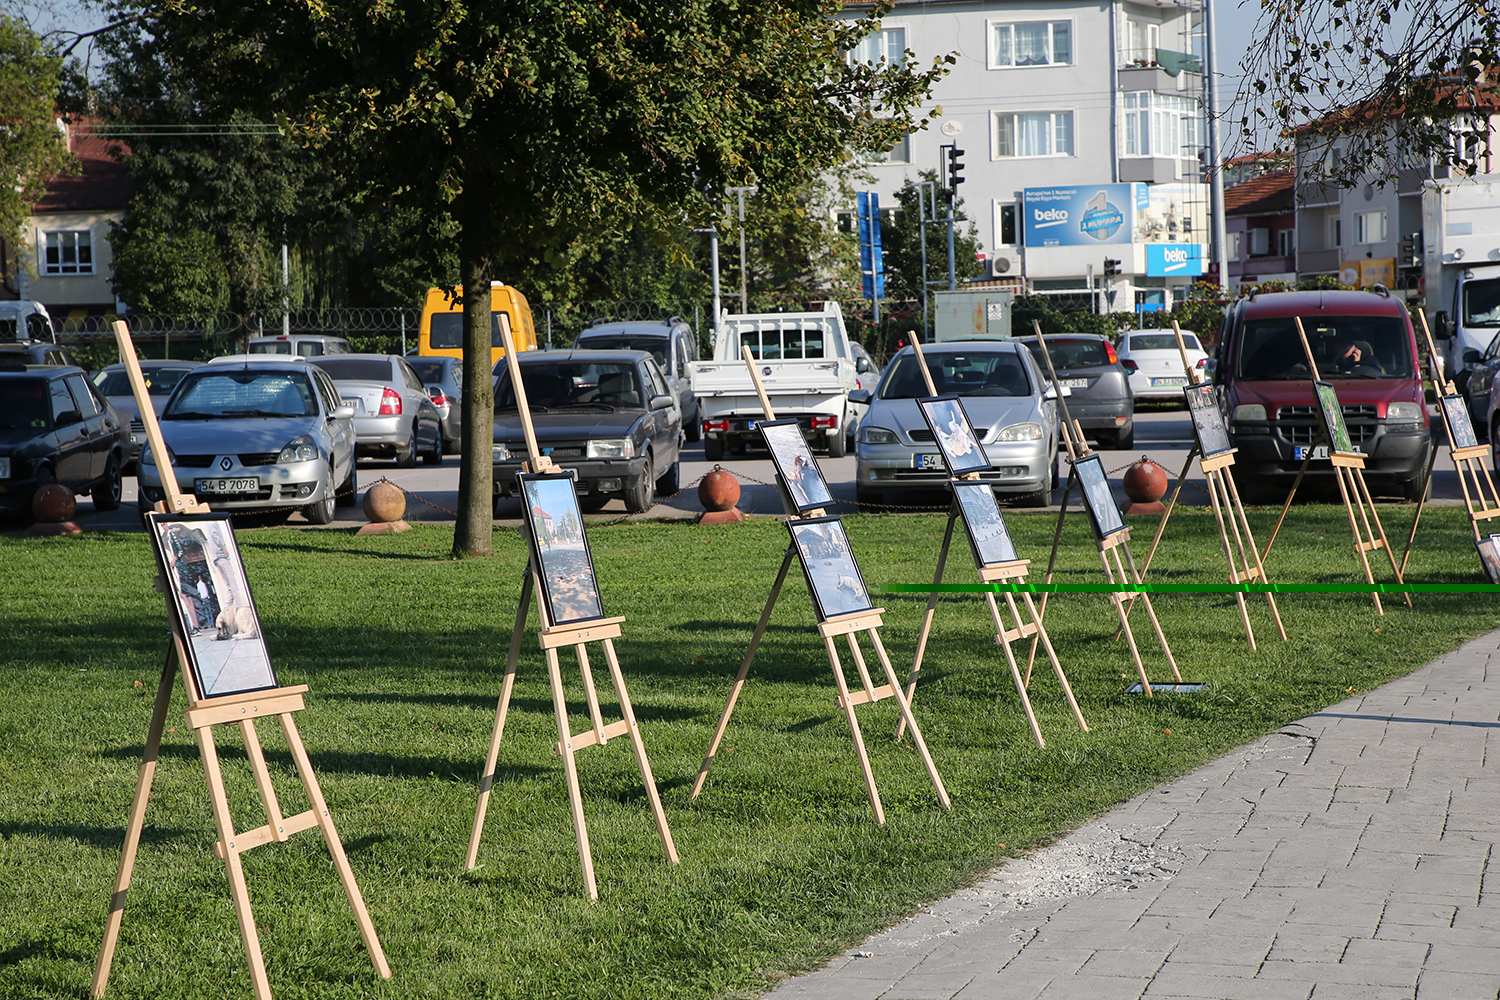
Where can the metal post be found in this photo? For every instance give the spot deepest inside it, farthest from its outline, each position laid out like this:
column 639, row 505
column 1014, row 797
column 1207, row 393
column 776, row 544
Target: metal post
column 1215, row 164
column 713, row 253
column 952, row 278
column 549, row 329
column 403, row 333
column 286, row 297
column 744, row 278
column 922, row 230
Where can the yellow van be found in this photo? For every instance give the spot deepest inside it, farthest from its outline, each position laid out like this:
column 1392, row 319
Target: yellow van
column 442, row 327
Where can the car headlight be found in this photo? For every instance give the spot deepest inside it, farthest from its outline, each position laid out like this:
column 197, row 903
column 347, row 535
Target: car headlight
column 1403, row 411
column 611, row 448
column 499, row 453
column 298, row 449
column 1027, row 431
column 147, row 458
column 876, row 435
column 1249, row 411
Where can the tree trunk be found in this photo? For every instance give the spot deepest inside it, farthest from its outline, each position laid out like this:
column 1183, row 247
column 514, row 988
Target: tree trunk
column 472, row 536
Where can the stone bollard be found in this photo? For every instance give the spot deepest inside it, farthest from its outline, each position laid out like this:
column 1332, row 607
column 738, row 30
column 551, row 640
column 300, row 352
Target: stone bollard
column 385, row 506
column 718, row 492
column 53, row 506
column 1145, row 484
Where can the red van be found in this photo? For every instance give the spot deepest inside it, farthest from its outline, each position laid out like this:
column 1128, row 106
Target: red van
column 1363, row 344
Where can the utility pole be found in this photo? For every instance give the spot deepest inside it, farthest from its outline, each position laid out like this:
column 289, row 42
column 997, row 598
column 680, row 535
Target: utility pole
column 1215, row 164
column 744, row 274
column 922, row 222
column 952, row 167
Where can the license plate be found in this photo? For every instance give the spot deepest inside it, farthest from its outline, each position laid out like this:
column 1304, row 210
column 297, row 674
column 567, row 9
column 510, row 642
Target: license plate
column 5, row 468
column 1180, row 380
column 927, row 462
column 226, row 486
column 750, row 425
column 354, row 401
column 1075, row 383
column 1319, row 451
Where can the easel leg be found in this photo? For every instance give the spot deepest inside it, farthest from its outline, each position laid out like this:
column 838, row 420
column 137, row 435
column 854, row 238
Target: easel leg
column 853, row 720
column 739, row 678
column 1359, row 539
column 1260, row 569
column 595, row 712
column 639, row 747
column 1291, row 493
column 1015, row 671
column 570, row 768
column 932, row 598
column 1062, row 510
column 1422, row 498
column 487, row 777
column 1162, row 527
column 1214, row 489
column 1358, row 477
column 136, row 822
column 335, row 845
column 1057, row 669
column 911, row 722
column 1135, row 653
column 1161, row 636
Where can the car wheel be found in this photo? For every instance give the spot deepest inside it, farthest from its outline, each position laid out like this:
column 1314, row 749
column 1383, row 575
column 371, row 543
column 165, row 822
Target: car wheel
column 1125, row 437
column 106, row 494
column 435, row 456
column 1410, row 488
column 322, row 511
column 1056, row 476
column 640, row 492
column 713, row 449
column 670, row 481
column 693, row 429
column 348, row 494
column 838, row 444
column 406, row 458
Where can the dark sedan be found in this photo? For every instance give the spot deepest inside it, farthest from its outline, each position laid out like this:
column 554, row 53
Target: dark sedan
column 608, row 415
column 1101, row 400
column 55, row 427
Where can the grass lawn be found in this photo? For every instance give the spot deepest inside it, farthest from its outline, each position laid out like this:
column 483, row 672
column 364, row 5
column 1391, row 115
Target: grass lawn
column 782, row 864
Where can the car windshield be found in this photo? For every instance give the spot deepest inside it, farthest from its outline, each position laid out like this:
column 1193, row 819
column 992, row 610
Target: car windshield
column 973, row 373
column 1161, row 342
column 1343, row 347
column 782, row 345
column 555, row 385
column 429, row 370
column 366, row 369
column 25, row 402
column 159, row 381
column 656, row 345
column 1071, row 352
column 1482, row 303
column 446, row 331
column 272, row 347
column 225, row 395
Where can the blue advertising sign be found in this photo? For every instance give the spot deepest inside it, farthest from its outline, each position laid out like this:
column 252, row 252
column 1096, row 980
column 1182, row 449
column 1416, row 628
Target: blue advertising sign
column 1093, row 215
column 871, row 256
column 1174, row 260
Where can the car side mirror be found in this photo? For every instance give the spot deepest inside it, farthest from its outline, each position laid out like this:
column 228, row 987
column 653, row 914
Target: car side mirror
column 662, row 402
column 859, row 395
column 863, row 367
column 433, row 391
column 342, row 413
column 1471, row 356
column 68, row 418
column 1441, row 331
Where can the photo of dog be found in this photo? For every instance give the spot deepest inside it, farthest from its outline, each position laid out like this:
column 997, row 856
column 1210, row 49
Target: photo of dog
column 236, row 623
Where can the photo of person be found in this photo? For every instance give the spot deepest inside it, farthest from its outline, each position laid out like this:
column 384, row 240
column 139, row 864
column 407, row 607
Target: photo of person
column 570, row 590
column 1489, row 555
column 1333, row 418
column 210, row 600
column 832, row 575
column 988, row 534
column 803, row 478
column 1208, row 420
column 1461, row 428
column 1103, row 511
column 954, row 434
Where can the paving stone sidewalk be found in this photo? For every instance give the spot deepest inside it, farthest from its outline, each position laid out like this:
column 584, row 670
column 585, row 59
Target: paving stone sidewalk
column 1345, row 855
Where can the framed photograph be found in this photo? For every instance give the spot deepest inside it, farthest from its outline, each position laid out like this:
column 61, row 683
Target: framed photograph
column 1103, row 511
column 832, row 574
column 795, row 462
column 1489, row 555
column 1333, row 419
column 210, row 603
column 954, row 434
column 988, row 535
column 570, row 590
column 1460, row 427
column 1208, row 420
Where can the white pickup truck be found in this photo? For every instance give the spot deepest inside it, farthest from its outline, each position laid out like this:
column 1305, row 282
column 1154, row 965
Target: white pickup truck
column 806, row 366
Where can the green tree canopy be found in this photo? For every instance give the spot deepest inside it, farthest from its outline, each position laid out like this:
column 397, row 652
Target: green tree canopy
column 902, row 242
column 34, row 149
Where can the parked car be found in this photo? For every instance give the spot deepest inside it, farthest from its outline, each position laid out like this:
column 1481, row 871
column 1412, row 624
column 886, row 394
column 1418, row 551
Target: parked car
column 25, row 319
column 442, row 377
column 606, row 415
column 55, row 428
column 674, row 346
column 1363, row 344
column 1100, row 401
column 1010, row 404
column 34, row 353
column 161, row 377
column 866, row 375
column 302, row 345
column 393, row 415
column 1477, row 384
column 1155, row 363
column 256, row 435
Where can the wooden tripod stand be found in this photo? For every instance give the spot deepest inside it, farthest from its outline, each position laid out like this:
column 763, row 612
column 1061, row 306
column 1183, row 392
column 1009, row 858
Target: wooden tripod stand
column 849, row 626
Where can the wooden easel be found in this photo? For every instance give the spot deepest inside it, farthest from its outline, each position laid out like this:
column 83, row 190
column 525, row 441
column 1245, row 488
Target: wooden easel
column 1348, row 472
column 849, row 626
column 1017, row 571
column 1482, row 502
column 552, row 638
column 1110, row 547
column 1241, row 554
column 202, row 715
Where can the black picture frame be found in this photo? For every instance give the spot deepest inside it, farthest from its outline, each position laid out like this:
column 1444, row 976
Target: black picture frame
column 560, row 548
column 989, row 538
column 833, row 576
column 1460, row 427
column 794, row 461
column 1333, row 419
column 1208, row 420
column 956, row 440
column 1104, row 513
column 212, row 609
column 1489, row 556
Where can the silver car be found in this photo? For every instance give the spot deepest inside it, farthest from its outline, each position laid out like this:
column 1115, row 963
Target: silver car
column 161, row 377
column 443, row 379
column 393, row 415
column 256, row 435
column 1009, row 403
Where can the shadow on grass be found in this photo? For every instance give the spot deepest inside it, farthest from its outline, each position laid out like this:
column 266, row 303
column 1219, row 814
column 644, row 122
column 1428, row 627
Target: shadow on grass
column 104, row 838
column 338, row 762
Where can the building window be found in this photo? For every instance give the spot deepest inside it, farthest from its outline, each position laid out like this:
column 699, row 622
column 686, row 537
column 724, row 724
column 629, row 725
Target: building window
column 1369, row 227
column 1005, row 224
column 1031, row 43
column 1234, row 245
column 1160, row 125
column 888, row 44
column 1036, row 133
column 1286, row 242
column 1141, row 42
column 1335, row 232
column 1260, row 242
column 68, row 251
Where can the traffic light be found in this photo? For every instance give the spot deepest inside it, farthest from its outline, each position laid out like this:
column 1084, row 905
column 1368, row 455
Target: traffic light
column 955, row 165
column 1411, row 250
column 1111, row 267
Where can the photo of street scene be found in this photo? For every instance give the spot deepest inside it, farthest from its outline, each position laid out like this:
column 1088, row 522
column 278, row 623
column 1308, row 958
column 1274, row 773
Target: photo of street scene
column 569, row 588
column 832, row 575
column 1103, row 510
column 1461, row 427
column 210, row 600
column 1333, row 418
column 1208, row 420
column 954, row 435
column 987, row 532
column 1489, row 554
column 795, row 463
